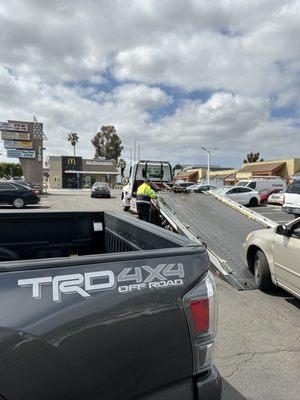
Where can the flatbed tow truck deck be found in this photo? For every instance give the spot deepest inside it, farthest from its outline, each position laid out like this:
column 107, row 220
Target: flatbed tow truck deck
column 220, row 227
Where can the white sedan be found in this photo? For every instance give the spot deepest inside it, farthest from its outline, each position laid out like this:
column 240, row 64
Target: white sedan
column 273, row 256
column 240, row 194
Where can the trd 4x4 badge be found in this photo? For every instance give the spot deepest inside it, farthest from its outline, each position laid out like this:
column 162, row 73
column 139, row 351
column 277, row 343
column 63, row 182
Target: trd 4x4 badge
column 138, row 278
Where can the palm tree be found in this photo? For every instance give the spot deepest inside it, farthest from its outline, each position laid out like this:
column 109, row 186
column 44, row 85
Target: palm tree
column 73, row 138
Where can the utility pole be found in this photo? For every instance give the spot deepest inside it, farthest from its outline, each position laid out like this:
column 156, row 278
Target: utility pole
column 134, row 149
column 139, row 152
column 131, row 157
column 208, row 151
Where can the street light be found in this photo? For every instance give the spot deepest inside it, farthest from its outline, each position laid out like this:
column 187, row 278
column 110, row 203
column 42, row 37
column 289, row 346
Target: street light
column 208, row 151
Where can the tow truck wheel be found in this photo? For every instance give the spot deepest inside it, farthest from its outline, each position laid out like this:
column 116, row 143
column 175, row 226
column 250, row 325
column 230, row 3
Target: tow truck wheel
column 262, row 273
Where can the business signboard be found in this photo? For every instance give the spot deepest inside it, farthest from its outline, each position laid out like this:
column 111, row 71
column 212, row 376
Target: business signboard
column 70, row 168
column 13, row 153
column 97, row 163
column 11, row 126
column 18, row 144
column 15, row 136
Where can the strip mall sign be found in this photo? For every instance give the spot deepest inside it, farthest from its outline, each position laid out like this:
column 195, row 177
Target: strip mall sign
column 15, row 136
column 18, row 144
column 10, row 126
column 12, row 153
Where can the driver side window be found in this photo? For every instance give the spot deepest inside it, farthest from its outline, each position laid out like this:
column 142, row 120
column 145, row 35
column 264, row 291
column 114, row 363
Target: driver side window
column 295, row 231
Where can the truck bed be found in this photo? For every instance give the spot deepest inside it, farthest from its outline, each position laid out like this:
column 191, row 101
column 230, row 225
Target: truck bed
column 25, row 236
column 220, row 227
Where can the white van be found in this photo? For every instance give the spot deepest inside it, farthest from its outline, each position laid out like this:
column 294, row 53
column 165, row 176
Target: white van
column 291, row 202
column 263, row 183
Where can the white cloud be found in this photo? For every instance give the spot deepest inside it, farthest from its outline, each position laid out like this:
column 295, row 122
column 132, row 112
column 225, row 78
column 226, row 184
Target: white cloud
column 81, row 64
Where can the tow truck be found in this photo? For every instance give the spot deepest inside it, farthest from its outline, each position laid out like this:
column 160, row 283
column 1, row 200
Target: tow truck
column 160, row 173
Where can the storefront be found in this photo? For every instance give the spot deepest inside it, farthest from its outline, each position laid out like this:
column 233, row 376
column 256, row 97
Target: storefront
column 76, row 173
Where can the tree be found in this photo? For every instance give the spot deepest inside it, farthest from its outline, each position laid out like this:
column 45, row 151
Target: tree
column 73, row 138
column 122, row 165
column 252, row 158
column 177, row 166
column 10, row 170
column 107, row 143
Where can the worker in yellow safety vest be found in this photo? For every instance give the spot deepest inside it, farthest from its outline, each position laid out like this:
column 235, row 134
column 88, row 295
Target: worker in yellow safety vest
column 144, row 195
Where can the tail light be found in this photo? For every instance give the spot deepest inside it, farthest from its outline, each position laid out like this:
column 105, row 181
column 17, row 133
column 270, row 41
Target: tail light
column 200, row 305
column 35, row 192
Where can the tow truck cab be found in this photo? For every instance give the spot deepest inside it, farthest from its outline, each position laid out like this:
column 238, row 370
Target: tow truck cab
column 160, row 173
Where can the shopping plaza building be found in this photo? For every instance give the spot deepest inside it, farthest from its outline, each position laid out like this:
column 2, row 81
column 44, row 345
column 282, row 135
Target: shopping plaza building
column 76, row 172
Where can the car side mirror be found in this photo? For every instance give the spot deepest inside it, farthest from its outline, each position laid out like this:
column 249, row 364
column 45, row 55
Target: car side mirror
column 282, row 230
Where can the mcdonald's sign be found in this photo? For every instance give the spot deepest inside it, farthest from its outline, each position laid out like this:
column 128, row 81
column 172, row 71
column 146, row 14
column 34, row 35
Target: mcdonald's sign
column 70, row 178
column 71, row 161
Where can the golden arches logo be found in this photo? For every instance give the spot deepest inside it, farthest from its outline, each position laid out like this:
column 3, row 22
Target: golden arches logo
column 71, row 161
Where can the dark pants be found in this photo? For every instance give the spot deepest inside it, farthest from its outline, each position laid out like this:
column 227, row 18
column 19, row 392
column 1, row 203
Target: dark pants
column 143, row 210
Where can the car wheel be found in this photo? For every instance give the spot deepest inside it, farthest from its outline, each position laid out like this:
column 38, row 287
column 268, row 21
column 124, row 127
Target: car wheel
column 18, row 202
column 262, row 273
column 253, row 202
column 126, row 208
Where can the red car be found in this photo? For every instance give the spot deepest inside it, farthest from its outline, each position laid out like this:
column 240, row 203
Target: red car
column 265, row 193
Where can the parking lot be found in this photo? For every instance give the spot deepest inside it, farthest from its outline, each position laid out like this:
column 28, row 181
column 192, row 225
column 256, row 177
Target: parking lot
column 258, row 342
column 274, row 213
column 72, row 200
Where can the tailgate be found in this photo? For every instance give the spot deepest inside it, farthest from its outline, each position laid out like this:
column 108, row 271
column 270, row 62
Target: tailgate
column 87, row 328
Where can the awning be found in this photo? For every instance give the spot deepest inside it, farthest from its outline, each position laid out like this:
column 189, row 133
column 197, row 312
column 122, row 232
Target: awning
column 68, row 171
column 262, row 168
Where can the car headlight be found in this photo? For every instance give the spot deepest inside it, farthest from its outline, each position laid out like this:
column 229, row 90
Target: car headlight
column 248, row 236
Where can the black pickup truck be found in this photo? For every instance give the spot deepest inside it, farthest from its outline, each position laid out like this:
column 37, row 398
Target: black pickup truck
column 96, row 305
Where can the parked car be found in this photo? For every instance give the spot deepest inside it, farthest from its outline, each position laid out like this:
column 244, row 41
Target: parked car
column 276, row 198
column 273, row 256
column 200, row 187
column 264, row 194
column 181, row 187
column 242, row 195
column 17, row 195
column 29, row 184
column 100, row 189
column 291, row 203
column 132, row 316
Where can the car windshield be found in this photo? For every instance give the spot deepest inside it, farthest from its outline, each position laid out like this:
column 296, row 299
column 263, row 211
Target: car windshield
column 294, row 188
column 100, row 185
column 221, row 190
column 264, row 191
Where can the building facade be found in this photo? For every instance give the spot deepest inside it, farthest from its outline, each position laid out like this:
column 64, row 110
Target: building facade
column 76, row 173
column 285, row 169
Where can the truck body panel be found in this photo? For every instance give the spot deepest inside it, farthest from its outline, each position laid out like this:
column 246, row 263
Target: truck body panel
column 94, row 325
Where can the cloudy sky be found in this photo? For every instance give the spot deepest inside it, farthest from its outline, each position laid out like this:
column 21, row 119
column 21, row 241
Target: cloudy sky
column 175, row 74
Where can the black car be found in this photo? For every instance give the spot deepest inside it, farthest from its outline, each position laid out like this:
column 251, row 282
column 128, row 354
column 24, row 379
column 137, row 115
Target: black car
column 29, row 184
column 100, row 189
column 17, row 195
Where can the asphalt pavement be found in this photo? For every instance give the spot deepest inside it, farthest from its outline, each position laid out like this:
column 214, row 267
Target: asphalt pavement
column 274, row 213
column 72, row 200
column 258, row 342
